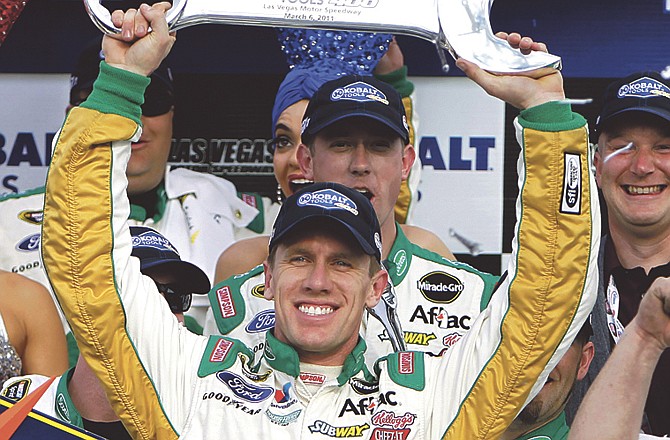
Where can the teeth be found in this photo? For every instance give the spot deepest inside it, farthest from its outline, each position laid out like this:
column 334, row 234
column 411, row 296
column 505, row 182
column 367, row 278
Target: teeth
column 643, row 189
column 316, row 310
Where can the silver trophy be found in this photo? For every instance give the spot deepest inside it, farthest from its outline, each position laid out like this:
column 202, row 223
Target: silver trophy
column 461, row 27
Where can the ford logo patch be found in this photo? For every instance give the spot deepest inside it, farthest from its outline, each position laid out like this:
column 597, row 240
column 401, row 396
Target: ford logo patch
column 244, row 390
column 264, row 321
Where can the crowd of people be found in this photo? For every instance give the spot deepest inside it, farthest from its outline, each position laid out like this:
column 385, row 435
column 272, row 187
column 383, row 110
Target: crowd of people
column 300, row 331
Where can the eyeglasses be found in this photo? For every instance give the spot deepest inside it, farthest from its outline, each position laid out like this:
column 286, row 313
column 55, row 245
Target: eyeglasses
column 179, row 302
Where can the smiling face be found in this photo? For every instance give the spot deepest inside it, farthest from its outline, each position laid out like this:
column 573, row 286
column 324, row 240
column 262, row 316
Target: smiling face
column 321, row 281
column 635, row 180
column 286, row 141
column 364, row 154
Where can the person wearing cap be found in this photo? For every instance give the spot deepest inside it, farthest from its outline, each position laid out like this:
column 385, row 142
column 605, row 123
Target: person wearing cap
column 200, row 213
column 316, row 56
column 77, row 397
column 165, row 382
column 615, row 402
column 544, row 418
column 633, row 172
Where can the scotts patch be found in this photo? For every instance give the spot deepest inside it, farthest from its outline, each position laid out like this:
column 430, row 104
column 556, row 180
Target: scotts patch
column 328, row 199
column 363, row 387
column 153, row 240
column 62, row 409
column 244, row 390
column 263, row 321
column 220, row 350
column 34, row 217
column 359, row 91
column 30, row 243
column 401, row 262
column 572, row 184
column 17, row 390
column 644, row 88
column 440, row 287
column 258, row 291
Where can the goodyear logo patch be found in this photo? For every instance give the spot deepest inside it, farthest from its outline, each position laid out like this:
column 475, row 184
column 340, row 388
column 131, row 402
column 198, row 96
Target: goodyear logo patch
column 153, row 240
column 644, row 88
column 359, row 91
column 328, row 199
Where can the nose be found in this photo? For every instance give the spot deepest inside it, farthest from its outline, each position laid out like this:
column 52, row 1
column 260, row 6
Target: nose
column 360, row 161
column 318, row 278
column 642, row 162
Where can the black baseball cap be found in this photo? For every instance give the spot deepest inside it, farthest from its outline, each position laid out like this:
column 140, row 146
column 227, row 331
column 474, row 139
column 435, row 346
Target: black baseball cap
column 156, row 251
column 354, row 95
column 328, row 200
column 641, row 92
column 158, row 97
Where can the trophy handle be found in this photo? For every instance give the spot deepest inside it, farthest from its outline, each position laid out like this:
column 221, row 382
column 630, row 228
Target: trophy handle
column 102, row 18
column 461, row 27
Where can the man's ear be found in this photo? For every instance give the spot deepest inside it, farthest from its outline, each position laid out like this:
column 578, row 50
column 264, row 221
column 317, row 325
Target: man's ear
column 588, row 351
column 408, row 158
column 304, row 156
column 379, row 282
column 268, row 293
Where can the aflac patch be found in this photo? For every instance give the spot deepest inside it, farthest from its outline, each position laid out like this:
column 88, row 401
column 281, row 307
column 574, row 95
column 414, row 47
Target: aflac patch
column 360, row 92
column 644, row 88
column 328, row 199
column 153, row 240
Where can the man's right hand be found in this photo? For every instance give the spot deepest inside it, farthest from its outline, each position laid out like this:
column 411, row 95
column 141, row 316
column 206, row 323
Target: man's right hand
column 652, row 321
column 137, row 49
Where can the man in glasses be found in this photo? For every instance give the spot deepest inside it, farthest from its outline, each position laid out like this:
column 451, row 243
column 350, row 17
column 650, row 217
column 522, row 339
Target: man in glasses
column 76, row 397
column 199, row 213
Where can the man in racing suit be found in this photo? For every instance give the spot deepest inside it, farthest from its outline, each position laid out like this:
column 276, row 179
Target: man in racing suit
column 165, row 382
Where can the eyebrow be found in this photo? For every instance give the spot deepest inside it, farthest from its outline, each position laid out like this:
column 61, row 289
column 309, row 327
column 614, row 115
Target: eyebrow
column 282, row 126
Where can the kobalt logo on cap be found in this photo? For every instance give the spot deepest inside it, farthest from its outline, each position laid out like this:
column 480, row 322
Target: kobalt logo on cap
column 328, row 199
column 360, row 92
column 644, row 88
column 153, row 240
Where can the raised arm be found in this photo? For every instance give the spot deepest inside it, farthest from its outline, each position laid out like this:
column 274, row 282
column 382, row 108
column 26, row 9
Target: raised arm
column 144, row 358
column 551, row 281
column 623, row 384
